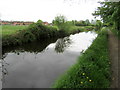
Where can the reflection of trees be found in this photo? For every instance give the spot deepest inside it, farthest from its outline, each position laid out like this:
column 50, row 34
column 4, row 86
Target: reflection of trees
column 0, row 70
column 61, row 44
column 4, row 55
column 37, row 46
column 4, row 69
column 3, row 65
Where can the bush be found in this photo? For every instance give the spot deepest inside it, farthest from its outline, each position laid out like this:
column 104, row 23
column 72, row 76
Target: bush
column 35, row 31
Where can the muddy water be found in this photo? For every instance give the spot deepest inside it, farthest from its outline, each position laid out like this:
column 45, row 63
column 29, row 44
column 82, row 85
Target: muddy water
column 39, row 64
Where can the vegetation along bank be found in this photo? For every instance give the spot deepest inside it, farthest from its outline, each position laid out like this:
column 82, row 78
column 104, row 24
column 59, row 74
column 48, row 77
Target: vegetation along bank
column 92, row 69
column 38, row 31
column 11, row 29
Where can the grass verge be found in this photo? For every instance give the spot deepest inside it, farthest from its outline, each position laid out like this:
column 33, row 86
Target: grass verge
column 11, row 29
column 75, row 29
column 18, row 35
column 92, row 69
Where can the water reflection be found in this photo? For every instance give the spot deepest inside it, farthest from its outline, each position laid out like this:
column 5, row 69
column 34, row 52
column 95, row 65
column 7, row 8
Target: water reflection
column 61, row 44
column 34, row 47
column 4, row 70
column 38, row 65
column 0, row 74
column 81, row 41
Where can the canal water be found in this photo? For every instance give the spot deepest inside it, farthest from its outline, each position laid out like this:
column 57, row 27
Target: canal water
column 39, row 64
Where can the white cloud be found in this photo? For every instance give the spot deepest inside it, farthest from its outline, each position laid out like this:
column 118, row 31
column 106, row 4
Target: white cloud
column 46, row 10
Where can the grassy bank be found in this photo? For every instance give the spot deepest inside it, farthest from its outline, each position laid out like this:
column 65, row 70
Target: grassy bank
column 18, row 35
column 11, row 29
column 74, row 29
column 33, row 32
column 91, row 69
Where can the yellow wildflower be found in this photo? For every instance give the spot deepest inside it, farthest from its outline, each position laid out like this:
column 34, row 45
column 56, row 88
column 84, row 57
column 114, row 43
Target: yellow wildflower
column 90, row 80
column 83, row 73
column 81, row 82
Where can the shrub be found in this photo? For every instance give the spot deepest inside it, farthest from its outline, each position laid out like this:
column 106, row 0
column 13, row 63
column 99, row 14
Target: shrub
column 35, row 31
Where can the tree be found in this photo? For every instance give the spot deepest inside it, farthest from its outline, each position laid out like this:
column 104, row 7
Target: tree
column 62, row 23
column 39, row 21
column 87, row 22
column 98, row 25
column 109, row 13
column 74, row 21
column 80, row 23
column 59, row 21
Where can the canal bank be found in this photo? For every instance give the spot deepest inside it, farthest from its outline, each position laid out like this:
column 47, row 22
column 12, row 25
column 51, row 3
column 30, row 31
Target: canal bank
column 38, row 65
column 92, row 69
column 36, row 32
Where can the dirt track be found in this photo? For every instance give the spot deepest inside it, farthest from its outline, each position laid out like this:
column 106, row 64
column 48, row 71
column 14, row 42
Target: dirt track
column 115, row 63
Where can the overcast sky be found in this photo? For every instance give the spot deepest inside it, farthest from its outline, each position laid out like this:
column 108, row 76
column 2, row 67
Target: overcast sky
column 46, row 10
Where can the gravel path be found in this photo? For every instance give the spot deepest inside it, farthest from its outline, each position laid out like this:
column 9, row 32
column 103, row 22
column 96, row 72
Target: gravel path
column 115, row 63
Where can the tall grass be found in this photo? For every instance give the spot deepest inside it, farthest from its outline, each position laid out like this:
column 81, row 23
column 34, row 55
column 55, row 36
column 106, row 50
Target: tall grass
column 92, row 69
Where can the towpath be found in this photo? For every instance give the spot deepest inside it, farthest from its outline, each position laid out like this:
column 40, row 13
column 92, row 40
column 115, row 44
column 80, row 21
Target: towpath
column 114, row 43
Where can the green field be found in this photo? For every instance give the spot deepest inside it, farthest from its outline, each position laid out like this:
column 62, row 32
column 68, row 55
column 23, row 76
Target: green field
column 10, row 29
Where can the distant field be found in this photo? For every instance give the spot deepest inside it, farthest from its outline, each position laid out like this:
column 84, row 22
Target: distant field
column 10, row 29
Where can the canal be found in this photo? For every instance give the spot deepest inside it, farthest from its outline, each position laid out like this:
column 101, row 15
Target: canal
column 39, row 64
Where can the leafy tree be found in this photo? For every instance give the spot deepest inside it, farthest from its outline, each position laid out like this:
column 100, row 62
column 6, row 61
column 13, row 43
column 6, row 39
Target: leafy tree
column 74, row 21
column 39, row 21
column 98, row 25
column 80, row 23
column 87, row 22
column 109, row 13
column 53, row 22
column 60, row 21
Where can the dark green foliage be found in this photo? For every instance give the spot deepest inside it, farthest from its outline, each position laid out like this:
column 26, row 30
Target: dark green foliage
column 116, row 32
column 60, row 22
column 63, row 25
column 28, row 37
column 35, row 31
column 38, row 31
column 82, row 23
column 92, row 69
column 110, row 14
column 87, row 22
column 98, row 25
